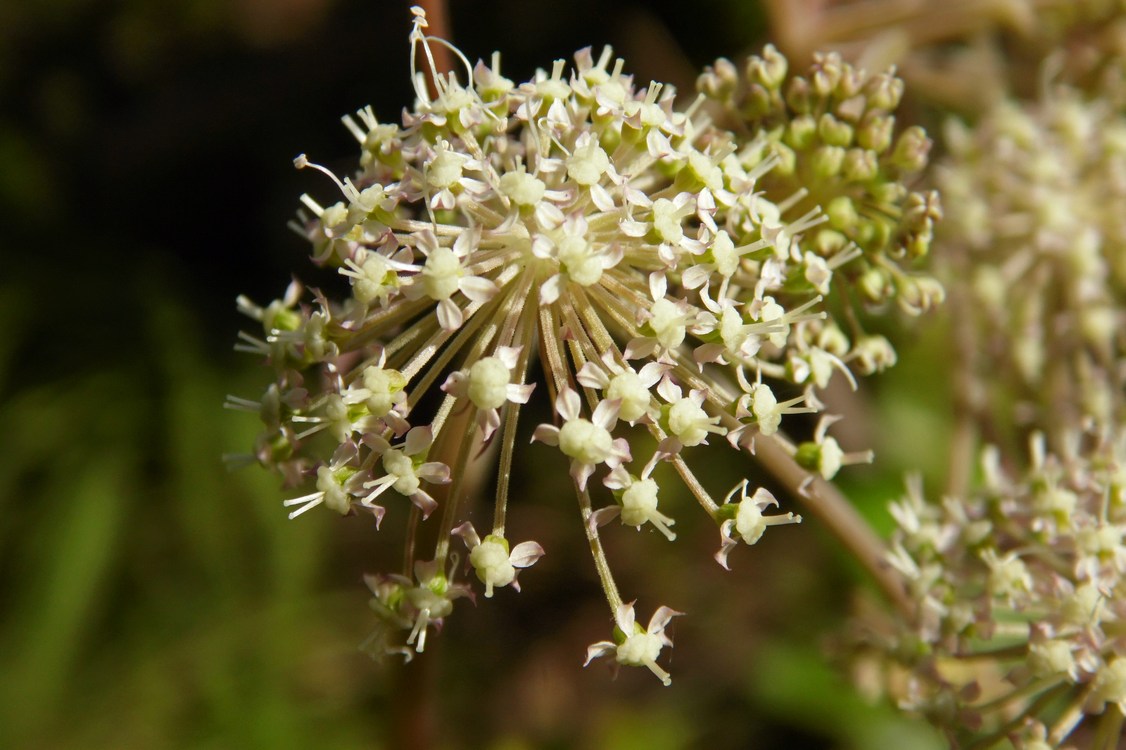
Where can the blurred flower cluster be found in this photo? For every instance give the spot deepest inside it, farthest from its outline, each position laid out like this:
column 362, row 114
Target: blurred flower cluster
column 657, row 280
column 1018, row 593
column 1015, row 578
column 1036, row 225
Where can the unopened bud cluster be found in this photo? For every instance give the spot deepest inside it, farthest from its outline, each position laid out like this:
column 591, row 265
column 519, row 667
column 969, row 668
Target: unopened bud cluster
column 587, row 243
column 834, row 135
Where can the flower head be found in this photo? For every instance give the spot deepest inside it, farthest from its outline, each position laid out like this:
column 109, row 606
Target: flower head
column 574, row 237
column 634, row 645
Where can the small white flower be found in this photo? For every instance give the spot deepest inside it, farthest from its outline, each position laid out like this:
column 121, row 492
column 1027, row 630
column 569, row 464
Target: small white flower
column 586, row 442
column 491, row 560
column 637, row 500
column 685, row 418
column 744, row 520
column 488, row 385
column 406, row 469
column 444, row 273
column 337, row 484
column 635, row 646
column 621, row 383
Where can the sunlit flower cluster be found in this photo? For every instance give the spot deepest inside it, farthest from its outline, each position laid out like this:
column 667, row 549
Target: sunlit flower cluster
column 1036, row 225
column 832, row 132
column 1025, row 581
column 583, row 243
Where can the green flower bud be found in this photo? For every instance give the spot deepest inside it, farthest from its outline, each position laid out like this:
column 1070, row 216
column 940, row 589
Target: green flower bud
column 911, row 150
column 875, row 132
column 799, row 96
column 842, row 214
column 770, row 69
column 883, row 91
column 827, row 161
column 833, row 131
column 800, row 132
column 860, row 165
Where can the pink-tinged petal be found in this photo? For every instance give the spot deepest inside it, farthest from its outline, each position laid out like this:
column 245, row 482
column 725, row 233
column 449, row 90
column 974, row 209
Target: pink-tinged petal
column 395, row 421
column 596, row 650
column 618, row 479
column 660, row 619
column 603, row 516
column 635, row 197
column 620, row 454
column 467, row 241
column 606, row 413
column 546, row 433
column 668, row 390
column 549, row 216
column 693, row 247
column 658, row 145
column 601, row 198
column 477, row 288
column 508, row 355
column 568, row 404
column 376, row 442
column 652, row 372
column 488, row 420
column 705, row 203
column 344, row 454
column 457, row 384
column 468, row 534
column 424, row 570
column 668, row 448
column 378, row 511
column 542, row 246
column 658, row 285
column 640, row 348
column 709, row 353
column 624, row 618
column 551, row 289
column 613, row 256
column 633, row 228
column 434, row 472
column 763, row 498
column 724, row 551
column 424, row 502
column 519, row 394
column 449, row 314
column 695, row 277
column 525, row 554
column 592, row 376
column 418, row 440
column 581, row 473
column 726, row 543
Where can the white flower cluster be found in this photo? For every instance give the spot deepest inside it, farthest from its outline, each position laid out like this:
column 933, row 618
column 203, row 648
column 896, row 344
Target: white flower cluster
column 575, row 221
column 1028, row 576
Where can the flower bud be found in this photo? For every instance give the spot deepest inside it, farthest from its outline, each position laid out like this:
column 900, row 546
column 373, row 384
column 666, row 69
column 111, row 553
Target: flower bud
column 827, row 161
column 770, row 69
column 911, row 150
column 834, row 132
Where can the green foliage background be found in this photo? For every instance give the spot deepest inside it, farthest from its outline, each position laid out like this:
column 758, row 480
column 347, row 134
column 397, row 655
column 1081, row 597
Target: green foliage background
column 150, row 598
